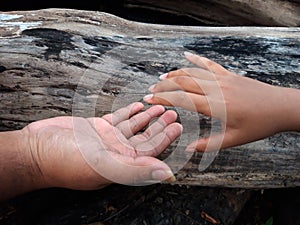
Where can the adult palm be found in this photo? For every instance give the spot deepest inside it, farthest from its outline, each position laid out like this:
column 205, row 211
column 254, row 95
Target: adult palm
column 87, row 153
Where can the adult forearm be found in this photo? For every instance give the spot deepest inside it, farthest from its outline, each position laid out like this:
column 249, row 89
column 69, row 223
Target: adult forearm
column 17, row 175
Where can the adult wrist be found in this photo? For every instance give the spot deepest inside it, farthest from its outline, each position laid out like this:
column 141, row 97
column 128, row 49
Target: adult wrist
column 28, row 149
column 18, row 171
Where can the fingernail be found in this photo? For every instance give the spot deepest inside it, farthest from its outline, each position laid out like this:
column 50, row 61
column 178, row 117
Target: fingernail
column 188, row 53
column 164, row 76
column 151, row 87
column 181, row 128
column 148, row 97
column 163, row 175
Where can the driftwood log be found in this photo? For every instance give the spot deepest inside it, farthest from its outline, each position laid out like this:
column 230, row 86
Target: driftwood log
column 66, row 62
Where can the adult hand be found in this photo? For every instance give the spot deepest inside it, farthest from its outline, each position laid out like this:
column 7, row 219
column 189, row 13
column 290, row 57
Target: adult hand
column 249, row 109
column 85, row 154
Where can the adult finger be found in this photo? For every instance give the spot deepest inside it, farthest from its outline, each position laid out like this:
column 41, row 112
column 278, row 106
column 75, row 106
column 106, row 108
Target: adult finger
column 116, row 167
column 159, row 142
column 158, row 126
column 189, row 101
column 206, row 64
column 139, row 121
column 111, row 137
column 123, row 113
column 127, row 170
column 188, row 84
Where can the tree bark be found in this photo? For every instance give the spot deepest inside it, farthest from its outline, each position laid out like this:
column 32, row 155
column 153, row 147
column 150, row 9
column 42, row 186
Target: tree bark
column 65, row 62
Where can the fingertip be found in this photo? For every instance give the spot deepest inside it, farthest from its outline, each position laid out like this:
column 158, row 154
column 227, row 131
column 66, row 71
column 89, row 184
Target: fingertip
column 176, row 125
column 212, row 143
column 136, row 105
column 150, row 170
column 151, row 88
column 163, row 175
column 140, row 104
column 196, row 146
column 164, row 76
column 169, row 116
column 191, row 148
column 188, row 54
column 180, row 127
column 160, row 108
column 148, row 98
column 172, row 112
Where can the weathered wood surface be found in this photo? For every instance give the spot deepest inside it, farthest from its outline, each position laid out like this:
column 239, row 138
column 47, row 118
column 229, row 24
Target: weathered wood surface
column 66, row 62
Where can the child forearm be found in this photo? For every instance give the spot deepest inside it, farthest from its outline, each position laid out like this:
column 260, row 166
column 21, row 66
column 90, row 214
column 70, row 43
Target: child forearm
column 291, row 109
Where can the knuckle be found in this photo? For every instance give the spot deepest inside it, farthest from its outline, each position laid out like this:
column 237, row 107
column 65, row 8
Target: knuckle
column 147, row 134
